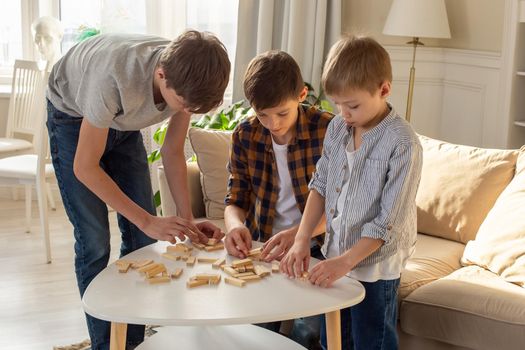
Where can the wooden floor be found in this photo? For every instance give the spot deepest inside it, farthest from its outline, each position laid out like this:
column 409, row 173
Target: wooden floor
column 39, row 303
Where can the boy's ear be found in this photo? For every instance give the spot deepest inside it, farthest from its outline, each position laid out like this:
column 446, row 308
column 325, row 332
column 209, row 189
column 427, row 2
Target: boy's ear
column 303, row 94
column 160, row 73
column 385, row 89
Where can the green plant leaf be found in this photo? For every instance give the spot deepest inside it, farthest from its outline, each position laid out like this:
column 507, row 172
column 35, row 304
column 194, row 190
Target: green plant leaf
column 156, row 199
column 326, row 106
column 160, row 134
column 215, row 122
column 154, row 156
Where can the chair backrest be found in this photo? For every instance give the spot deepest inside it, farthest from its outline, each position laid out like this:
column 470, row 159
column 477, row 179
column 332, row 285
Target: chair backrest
column 26, row 90
column 41, row 138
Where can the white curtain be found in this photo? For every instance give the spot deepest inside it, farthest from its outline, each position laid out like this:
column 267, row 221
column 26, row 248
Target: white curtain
column 304, row 29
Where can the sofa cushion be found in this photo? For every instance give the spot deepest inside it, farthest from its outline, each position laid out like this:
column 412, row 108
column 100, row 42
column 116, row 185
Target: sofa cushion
column 500, row 243
column 471, row 307
column 459, row 185
column 434, row 258
column 212, row 148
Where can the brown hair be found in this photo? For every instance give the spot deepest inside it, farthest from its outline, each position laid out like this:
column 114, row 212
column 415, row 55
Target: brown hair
column 271, row 78
column 197, row 67
column 356, row 62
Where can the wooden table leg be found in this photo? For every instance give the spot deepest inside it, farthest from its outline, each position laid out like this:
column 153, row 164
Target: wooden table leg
column 118, row 336
column 333, row 330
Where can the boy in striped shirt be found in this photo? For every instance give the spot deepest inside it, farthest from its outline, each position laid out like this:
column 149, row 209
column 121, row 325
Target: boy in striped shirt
column 366, row 184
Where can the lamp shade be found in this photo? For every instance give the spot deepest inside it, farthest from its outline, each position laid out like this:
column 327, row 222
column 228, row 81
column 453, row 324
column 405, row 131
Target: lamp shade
column 418, row 18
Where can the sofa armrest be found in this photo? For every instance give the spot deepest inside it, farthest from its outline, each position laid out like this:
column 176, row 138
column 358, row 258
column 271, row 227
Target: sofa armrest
column 194, row 187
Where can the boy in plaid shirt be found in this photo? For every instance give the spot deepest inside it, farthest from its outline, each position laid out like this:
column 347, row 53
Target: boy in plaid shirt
column 272, row 159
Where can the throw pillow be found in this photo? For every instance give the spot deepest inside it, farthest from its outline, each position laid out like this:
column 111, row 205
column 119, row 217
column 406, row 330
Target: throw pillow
column 459, row 185
column 500, row 243
column 212, row 148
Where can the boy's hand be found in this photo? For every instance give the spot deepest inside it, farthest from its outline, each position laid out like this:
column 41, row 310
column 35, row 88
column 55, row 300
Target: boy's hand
column 278, row 245
column 238, row 242
column 209, row 230
column 297, row 259
column 325, row 273
column 170, row 227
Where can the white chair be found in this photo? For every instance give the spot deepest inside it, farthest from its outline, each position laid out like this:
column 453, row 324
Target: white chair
column 26, row 87
column 33, row 169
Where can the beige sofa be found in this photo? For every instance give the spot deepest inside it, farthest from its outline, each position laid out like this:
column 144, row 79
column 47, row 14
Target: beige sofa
column 464, row 288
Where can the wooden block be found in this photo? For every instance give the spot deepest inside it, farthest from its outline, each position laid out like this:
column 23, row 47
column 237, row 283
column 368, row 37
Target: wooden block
column 176, row 273
column 206, row 260
column 153, row 272
column 148, row 267
column 179, row 247
column 198, row 245
column 218, row 263
column 190, row 261
column 191, row 283
column 249, row 268
column 262, row 271
column 243, row 262
column 185, row 257
column 141, row 263
column 234, row 281
column 123, row 266
column 275, row 267
column 212, row 241
column 250, row 278
column 160, row 279
column 255, row 251
column 241, row 269
column 243, row 274
column 211, row 248
column 230, row 271
column 170, row 257
column 211, row 278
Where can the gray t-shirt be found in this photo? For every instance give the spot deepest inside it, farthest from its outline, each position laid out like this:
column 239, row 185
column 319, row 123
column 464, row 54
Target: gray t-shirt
column 108, row 79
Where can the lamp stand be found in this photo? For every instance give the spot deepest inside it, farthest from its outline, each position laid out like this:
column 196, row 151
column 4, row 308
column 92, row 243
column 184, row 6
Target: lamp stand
column 415, row 42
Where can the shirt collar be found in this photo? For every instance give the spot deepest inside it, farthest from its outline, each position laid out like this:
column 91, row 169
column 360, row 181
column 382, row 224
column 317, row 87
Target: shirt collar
column 302, row 130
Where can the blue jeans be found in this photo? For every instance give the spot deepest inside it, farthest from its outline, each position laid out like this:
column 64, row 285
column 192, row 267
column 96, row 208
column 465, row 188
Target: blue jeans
column 124, row 160
column 370, row 324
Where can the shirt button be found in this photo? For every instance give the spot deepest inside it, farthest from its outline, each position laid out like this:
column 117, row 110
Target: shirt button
column 337, row 190
column 389, row 227
column 332, row 211
column 344, row 166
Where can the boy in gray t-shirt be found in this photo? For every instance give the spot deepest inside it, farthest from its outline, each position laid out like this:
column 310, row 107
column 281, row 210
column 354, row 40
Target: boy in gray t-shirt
column 100, row 94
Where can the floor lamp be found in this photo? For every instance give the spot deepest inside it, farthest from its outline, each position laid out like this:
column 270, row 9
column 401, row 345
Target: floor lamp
column 416, row 19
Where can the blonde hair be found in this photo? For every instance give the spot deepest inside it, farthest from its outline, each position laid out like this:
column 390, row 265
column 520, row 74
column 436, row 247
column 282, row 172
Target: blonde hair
column 356, row 62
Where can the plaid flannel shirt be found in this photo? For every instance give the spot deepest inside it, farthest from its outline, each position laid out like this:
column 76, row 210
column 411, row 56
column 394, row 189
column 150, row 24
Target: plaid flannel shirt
column 253, row 179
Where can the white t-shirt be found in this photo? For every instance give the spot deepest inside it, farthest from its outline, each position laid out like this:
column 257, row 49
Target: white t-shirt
column 387, row 269
column 287, row 213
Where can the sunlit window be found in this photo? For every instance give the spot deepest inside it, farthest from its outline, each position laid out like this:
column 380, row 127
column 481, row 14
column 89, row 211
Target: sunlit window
column 10, row 33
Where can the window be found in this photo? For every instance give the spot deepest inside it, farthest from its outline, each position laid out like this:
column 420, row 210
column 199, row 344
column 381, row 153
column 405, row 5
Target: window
column 166, row 18
column 10, row 33
column 124, row 16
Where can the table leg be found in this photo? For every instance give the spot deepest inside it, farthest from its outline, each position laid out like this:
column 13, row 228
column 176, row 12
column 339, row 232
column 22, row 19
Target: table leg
column 333, row 330
column 118, row 336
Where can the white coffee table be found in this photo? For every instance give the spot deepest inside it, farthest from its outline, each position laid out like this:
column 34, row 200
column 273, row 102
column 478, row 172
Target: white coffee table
column 236, row 337
column 127, row 298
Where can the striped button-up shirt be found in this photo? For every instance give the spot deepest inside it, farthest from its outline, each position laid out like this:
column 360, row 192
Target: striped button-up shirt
column 253, row 182
column 382, row 186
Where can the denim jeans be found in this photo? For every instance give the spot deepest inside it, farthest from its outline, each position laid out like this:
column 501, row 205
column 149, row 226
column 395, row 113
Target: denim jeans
column 370, row 324
column 124, row 160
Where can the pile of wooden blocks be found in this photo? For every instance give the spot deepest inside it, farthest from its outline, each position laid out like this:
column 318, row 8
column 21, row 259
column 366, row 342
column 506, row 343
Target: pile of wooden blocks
column 240, row 271
column 153, row 272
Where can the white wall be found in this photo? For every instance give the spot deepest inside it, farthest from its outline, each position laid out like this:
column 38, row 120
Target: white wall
column 455, row 94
